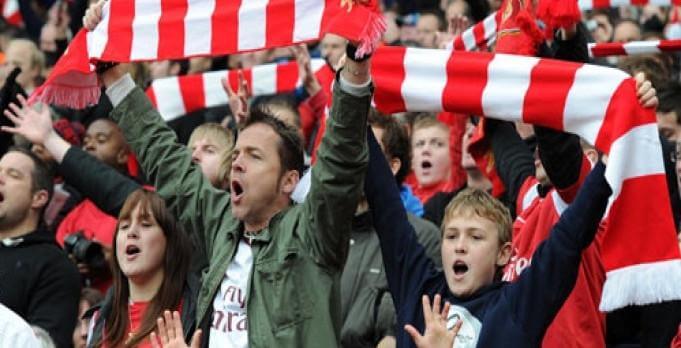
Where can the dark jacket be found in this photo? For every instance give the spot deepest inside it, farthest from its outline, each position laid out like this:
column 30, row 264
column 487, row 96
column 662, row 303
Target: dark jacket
column 367, row 309
column 506, row 314
column 40, row 284
column 188, row 315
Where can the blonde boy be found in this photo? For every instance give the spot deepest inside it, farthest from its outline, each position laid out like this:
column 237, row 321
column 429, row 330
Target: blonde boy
column 475, row 246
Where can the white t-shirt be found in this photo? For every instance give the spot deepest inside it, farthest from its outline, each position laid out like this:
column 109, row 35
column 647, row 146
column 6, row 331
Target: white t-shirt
column 470, row 329
column 230, row 327
column 14, row 331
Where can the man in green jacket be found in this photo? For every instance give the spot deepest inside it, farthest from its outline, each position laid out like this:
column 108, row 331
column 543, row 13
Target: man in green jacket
column 274, row 272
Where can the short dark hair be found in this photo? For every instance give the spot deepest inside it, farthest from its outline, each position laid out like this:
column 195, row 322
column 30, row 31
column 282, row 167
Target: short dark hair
column 670, row 99
column 290, row 147
column 395, row 142
column 42, row 178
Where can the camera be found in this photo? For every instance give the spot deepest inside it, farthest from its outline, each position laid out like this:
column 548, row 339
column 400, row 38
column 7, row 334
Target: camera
column 90, row 254
column 82, row 249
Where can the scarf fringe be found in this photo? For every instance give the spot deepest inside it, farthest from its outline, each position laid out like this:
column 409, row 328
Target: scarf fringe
column 371, row 35
column 642, row 284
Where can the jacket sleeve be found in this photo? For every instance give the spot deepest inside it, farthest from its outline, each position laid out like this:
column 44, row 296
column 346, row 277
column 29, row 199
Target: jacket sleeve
column 53, row 306
column 407, row 266
column 336, row 180
column 105, row 186
column 195, row 203
column 542, row 288
column 561, row 153
column 512, row 158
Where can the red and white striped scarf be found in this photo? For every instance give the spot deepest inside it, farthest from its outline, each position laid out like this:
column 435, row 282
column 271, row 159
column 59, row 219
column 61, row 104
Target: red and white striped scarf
column 147, row 30
column 597, row 4
column 633, row 48
column 640, row 252
column 177, row 96
column 10, row 12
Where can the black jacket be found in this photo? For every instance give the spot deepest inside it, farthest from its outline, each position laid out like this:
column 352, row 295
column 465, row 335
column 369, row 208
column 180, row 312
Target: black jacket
column 40, row 284
column 188, row 315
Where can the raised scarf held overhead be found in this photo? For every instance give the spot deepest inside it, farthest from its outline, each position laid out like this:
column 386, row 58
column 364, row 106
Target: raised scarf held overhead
column 180, row 95
column 640, row 252
column 148, row 30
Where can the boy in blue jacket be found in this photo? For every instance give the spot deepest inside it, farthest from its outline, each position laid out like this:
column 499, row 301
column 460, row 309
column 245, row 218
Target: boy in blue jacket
column 475, row 247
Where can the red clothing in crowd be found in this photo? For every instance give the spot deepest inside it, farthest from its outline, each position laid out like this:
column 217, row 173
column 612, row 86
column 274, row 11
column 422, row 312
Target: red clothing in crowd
column 579, row 322
column 313, row 110
column 95, row 224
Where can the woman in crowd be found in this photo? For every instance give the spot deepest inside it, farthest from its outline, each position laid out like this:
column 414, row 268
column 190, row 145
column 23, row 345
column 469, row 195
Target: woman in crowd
column 152, row 254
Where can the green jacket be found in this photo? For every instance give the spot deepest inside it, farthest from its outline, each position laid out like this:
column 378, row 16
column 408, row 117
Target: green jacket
column 294, row 295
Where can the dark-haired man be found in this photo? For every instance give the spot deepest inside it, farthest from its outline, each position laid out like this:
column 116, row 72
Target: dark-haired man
column 37, row 280
column 274, row 271
column 273, row 278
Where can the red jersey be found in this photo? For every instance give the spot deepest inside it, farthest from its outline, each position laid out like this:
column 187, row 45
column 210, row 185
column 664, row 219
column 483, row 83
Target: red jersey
column 579, row 323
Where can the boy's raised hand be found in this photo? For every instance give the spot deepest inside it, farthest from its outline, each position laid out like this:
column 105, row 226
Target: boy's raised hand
column 436, row 334
column 170, row 333
column 29, row 123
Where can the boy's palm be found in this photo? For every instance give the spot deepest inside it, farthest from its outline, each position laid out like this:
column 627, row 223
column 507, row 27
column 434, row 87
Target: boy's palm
column 436, row 334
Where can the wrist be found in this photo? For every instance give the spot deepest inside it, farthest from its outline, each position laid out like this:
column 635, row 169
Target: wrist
column 56, row 145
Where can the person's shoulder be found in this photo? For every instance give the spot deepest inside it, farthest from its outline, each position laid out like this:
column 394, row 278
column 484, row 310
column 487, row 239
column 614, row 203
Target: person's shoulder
column 421, row 225
column 14, row 331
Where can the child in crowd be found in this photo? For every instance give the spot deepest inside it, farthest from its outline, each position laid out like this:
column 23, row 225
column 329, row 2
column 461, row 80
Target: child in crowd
column 475, row 248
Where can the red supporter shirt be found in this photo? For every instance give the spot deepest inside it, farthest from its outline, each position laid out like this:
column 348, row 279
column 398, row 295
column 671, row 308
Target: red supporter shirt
column 579, row 322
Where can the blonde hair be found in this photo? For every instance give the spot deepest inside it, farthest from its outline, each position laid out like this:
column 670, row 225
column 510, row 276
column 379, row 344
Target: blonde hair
column 428, row 122
column 480, row 203
column 37, row 56
column 224, row 138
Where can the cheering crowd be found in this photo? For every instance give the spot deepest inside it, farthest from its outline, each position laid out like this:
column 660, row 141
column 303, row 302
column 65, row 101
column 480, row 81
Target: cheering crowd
column 272, row 198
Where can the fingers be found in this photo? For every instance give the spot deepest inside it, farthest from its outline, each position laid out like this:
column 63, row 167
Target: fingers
column 445, row 311
column 436, row 305
column 162, row 330
column 427, row 310
column 196, row 339
column 640, row 78
column 154, row 340
column 415, row 335
column 177, row 324
column 643, row 87
column 10, row 130
column 227, row 87
column 169, row 325
column 651, row 102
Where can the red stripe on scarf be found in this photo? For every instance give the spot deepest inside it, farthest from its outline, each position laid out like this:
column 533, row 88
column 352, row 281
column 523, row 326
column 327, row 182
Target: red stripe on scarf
column 614, row 124
column 466, row 83
column 287, row 77
column 280, row 22
column 547, row 94
column 120, row 27
column 648, row 220
column 193, row 95
column 171, row 34
column 390, row 97
column 225, row 26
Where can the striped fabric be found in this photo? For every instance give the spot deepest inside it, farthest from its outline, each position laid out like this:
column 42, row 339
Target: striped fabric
column 177, row 96
column 640, row 252
column 146, row 30
column 596, row 4
column 10, row 12
column 634, row 48
column 479, row 36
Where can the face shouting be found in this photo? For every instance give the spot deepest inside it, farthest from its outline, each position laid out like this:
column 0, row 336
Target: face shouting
column 257, row 187
column 471, row 253
column 432, row 163
column 140, row 245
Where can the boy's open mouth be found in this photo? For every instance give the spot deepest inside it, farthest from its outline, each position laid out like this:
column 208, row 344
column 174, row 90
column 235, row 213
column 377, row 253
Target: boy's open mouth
column 460, row 268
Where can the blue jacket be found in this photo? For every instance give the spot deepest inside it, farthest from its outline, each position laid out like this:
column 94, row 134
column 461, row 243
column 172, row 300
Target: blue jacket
column 500, row 314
